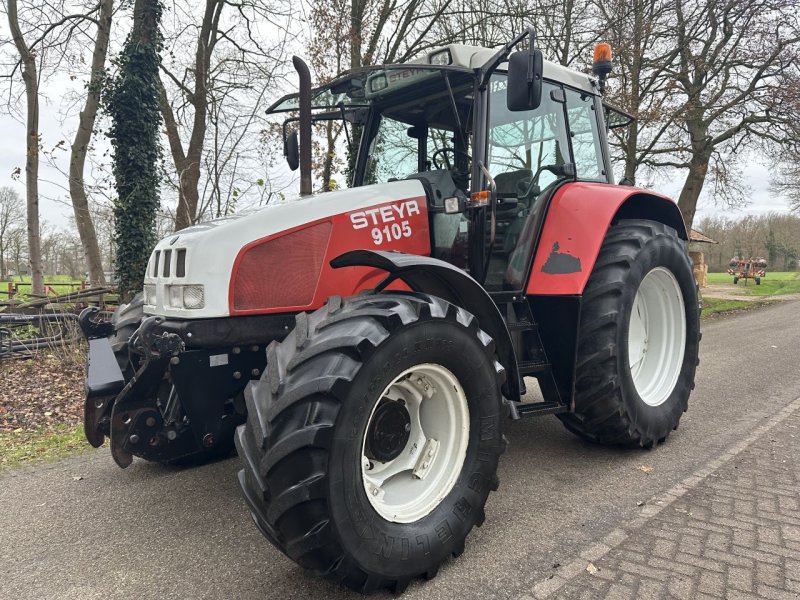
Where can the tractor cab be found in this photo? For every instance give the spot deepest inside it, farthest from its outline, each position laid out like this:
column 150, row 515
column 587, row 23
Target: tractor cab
column 488, row 161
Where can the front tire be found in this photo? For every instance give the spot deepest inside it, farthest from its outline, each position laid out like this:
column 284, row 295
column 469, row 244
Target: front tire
column 639, row 338
column 324, row 410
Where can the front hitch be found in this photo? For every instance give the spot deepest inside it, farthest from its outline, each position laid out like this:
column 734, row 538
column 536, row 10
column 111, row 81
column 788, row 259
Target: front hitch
column 136, row 422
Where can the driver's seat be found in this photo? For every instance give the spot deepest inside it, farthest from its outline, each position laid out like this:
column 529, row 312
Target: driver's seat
column 507, row 184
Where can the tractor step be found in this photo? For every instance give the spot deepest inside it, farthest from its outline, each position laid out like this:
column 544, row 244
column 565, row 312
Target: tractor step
column 522, row 326
column 525, row 411
column 534, row 367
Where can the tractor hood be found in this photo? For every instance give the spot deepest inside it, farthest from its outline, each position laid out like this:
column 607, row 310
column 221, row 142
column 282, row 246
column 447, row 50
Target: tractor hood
column 274, row 258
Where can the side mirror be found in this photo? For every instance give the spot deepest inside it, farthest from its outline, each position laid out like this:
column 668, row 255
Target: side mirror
column 524, row 90
column 292, row 151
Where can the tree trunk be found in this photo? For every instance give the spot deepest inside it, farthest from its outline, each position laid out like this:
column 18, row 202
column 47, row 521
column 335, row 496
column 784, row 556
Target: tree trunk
column 30, row 78
column 80, row 145
column 188, row 165
column 687, row 201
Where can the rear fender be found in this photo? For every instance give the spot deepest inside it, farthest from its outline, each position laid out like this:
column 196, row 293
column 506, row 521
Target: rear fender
column 577, row 221
column 438, row 278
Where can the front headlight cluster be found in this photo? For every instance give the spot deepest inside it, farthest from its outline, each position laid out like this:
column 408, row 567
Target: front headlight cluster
column 186, row 296
column 177, row 296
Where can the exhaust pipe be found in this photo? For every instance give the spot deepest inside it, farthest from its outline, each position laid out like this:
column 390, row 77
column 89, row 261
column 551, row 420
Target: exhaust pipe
column 305, row 124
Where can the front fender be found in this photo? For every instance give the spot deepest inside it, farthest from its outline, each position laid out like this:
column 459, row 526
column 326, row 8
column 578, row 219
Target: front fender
column 436, row 277
column 576, row 223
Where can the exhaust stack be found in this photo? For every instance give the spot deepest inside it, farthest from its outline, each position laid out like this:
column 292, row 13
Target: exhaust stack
column 305, row 124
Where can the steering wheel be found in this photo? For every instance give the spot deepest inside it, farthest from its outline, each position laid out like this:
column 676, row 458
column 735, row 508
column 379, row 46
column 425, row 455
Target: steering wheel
column 444, row 152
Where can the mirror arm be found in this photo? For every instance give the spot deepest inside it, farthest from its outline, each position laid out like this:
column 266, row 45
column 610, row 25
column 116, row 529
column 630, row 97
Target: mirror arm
column 502, row 55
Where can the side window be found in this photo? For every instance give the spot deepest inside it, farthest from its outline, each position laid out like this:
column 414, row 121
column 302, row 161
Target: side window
column 585, row 136
column 526, row 141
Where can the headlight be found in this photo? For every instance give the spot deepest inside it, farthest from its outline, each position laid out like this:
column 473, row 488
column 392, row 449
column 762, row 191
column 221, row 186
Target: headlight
column 175, row 296
column 150, row 295
column 186, row 296
column 193, row 296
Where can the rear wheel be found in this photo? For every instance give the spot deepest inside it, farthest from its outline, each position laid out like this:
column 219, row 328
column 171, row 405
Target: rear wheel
column 373, row 438
column 638, row 339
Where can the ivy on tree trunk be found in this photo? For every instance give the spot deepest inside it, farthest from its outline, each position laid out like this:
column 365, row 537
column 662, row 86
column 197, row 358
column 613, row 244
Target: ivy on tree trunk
column 132, row 103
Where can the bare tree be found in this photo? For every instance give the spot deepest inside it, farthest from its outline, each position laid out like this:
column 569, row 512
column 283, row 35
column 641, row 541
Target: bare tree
column 206, row 98
column 12, row 214
column 80, row 145
column 31, row 80
column 725, row 97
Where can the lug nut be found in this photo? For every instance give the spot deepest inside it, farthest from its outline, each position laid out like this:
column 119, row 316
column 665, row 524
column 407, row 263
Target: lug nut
column 134, row 439
column 254, row 348
column 172, row 435
column 150, row 421
column 237, row 375
column 255, row 372
column 174, row 360
column 236, row 350
column 208, row 440
column 374, row 491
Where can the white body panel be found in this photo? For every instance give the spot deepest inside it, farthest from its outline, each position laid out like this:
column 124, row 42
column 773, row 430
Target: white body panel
column 211, row 248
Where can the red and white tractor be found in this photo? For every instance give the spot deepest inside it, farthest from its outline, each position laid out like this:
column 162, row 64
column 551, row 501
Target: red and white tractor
column 364, row 346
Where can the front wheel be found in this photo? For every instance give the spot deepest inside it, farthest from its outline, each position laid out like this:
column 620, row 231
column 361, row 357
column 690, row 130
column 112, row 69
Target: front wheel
column 639, row 338
column 373, row 438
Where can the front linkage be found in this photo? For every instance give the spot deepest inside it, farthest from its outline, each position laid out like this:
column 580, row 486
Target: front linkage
column 172, row 405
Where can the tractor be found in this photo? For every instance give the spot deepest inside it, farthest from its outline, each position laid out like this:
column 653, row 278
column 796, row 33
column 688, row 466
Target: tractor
column 363, row 347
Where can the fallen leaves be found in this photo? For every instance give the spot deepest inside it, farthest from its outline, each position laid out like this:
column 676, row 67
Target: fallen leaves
column 592, row 569
column 40, row 392
column 645, row 468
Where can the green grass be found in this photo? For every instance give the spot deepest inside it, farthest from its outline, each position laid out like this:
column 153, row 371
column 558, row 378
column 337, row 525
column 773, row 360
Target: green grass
column 43, row 444
column 24, row 284
column 717, row 306
column 773, row 284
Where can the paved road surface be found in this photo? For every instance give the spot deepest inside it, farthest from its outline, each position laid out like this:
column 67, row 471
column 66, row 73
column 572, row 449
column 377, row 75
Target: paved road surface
column 157, row 532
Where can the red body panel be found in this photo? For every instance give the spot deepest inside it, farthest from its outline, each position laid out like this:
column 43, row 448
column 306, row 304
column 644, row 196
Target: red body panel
column 398, row 228
column 575, row 226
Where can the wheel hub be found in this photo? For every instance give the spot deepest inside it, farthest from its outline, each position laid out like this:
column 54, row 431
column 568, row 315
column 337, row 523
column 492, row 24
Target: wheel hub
column 389, row 431
column 415, row 443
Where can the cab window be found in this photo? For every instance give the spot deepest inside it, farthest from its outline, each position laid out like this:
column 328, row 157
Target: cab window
column 585, row 136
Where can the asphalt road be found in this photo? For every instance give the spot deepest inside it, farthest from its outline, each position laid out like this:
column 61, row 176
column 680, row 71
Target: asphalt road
column 158, row 532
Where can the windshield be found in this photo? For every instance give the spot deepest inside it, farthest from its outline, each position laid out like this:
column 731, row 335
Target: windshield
column 362, row 87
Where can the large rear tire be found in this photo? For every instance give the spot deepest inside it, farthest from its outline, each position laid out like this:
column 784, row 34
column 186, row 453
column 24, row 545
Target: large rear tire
column 373, row 437
column 639, row 338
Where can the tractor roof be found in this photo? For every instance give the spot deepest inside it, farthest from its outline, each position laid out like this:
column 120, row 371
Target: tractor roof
column 475, row 57
column 453, row 57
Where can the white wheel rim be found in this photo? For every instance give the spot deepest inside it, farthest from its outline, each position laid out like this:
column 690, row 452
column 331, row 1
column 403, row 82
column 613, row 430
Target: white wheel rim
column 415, row 482
column 657, row 336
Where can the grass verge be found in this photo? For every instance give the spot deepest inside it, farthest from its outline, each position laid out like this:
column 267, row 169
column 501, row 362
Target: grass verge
column 716, row 306
column 42, row 444
column 773, row 284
